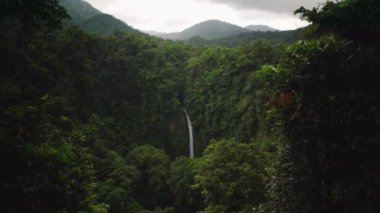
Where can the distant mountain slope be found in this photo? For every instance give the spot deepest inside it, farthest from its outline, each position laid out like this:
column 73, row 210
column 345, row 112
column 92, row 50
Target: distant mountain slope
column 79, row 10
column 172, row 36
column 210, row 29
column 275, row 37
column 91, row 19
column 213, row 29
column 260, row 28
column 153, row 33
column 105, row 24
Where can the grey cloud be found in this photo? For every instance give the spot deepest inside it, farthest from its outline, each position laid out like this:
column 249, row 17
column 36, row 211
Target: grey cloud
column 278, row 6
column 176, row 22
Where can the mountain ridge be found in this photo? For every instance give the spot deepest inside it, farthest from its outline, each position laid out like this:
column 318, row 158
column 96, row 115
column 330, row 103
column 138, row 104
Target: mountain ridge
column 90, row 19
column 79, row 10
column 212, row 29
column 260, row 28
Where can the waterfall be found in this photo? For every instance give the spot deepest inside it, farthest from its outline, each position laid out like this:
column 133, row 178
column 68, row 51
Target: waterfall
column 191, row 138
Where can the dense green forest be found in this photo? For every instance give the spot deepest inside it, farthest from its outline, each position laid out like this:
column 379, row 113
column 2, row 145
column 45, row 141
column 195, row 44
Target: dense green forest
column 95, row 122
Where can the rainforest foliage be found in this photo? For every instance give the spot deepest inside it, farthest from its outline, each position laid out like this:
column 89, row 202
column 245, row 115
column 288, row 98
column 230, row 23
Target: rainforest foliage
column 94, row 123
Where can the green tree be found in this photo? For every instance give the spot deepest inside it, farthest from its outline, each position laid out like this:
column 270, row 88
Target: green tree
column 229, row 176
column 327, row 163
column 44, row 168
column 47, row 13
column 187, row 199
column 151, row 189
column 353, row 19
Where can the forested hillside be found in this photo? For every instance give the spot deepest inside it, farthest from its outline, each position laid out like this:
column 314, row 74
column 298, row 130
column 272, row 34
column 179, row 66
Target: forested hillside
column 95, row 122
column 278, row 40
column 90, row 19
column 215, row 32
column 105, row 24
column 79, row 10
column 260, row 28
column 209, row 29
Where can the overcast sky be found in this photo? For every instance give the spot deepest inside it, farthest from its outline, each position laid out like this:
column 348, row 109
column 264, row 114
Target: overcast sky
column 176, row 15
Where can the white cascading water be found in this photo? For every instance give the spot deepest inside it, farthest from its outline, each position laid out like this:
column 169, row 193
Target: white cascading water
column 191, row 138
